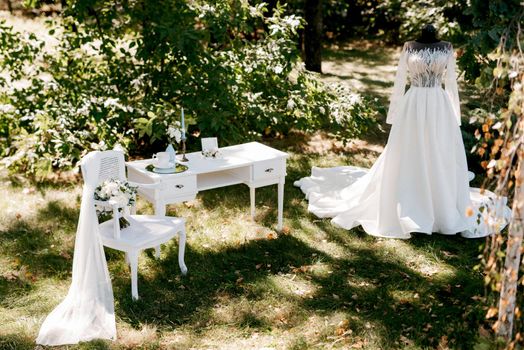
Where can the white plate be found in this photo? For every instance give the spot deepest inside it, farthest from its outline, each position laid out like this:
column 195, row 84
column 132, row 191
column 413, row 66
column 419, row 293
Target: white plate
column 171, row 170
column 170, row 166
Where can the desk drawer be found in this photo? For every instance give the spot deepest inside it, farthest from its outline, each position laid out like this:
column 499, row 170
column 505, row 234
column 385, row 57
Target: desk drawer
column 182, row 185
column 268, row 169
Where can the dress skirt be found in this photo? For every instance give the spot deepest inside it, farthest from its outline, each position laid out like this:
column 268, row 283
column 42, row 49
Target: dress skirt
column 418, row 184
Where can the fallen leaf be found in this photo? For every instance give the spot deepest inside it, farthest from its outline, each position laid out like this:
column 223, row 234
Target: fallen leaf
column 65, row 255
column 357, row 345
column 286, row 230
column 484, row 332
column 406, row 340
column 493, row 311
column 405, row 275
column 271, row 235
column 344, row 324
column 240, row 280
column 10, row 276
column 443, row 343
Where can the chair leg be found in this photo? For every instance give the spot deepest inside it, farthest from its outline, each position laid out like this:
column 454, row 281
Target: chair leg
column 181, row 250
column 127, row 258
column 133, row 257
column 157, row 252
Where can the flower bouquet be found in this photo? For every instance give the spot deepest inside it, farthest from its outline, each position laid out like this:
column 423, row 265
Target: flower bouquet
column 116, row 192
column 174, row 135
column 212, row 153
column 174, row 132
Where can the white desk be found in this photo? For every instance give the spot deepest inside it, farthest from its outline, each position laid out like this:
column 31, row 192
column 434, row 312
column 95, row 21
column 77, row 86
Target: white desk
column 253, row 164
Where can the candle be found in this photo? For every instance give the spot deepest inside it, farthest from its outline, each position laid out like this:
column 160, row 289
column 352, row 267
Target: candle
column 183, row 125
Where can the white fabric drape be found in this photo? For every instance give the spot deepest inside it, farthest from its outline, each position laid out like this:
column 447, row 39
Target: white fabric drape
column 450, row 85
column 399, row 88
column 87, row 312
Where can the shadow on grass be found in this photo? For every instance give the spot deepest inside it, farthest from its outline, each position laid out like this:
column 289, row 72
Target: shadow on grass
column 36, row 244
column 369, row 287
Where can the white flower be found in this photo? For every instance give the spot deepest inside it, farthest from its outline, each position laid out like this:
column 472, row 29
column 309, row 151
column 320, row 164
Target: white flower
column 291, row 104
column 251, row 97
column 256, row 11
column 111, row 102
column 322, row 110
column 278, row 69
column 112, row 188
column 171, row 131
column 292, row 22
column 121, row 199
column 178, row 135
column 354, row 98
column 274, row 29
column 6, row 108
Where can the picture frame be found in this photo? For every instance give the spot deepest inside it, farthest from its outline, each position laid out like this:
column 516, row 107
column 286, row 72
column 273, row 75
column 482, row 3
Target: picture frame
column 209, row 144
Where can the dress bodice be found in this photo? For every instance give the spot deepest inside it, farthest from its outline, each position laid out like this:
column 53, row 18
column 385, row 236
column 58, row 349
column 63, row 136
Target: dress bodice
column 426, row 66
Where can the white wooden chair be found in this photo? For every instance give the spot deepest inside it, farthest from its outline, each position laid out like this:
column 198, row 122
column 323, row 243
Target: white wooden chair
column 144, row 231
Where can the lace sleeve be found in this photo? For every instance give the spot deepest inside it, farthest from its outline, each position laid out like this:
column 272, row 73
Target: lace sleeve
column 450, row 84
column 399, row 87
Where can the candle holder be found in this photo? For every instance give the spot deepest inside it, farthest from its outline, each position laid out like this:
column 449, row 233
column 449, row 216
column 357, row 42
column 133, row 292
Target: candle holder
column 184, row 158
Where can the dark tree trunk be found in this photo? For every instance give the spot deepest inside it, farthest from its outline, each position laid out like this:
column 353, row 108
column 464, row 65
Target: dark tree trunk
column 313, row 35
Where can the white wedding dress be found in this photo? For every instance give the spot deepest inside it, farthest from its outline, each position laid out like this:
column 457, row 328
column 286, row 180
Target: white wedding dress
column 87, row 312
column 420, row 182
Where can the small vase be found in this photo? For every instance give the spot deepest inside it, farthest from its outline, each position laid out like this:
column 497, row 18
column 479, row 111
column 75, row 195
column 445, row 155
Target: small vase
column 172, row 153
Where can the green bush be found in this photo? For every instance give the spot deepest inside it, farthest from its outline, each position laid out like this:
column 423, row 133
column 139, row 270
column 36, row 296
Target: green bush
column 120, row 74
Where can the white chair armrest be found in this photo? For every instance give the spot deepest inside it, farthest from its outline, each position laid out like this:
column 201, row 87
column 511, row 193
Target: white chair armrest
column 152, row 186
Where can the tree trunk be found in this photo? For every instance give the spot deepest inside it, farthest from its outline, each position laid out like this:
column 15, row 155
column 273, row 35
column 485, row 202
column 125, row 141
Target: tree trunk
column 313, row 35
column 504, row 325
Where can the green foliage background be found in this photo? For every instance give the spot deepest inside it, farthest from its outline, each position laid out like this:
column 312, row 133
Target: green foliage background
column 120, row 72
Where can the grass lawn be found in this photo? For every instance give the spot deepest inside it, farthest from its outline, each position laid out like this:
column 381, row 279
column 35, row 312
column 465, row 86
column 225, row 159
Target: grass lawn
column 311, row 286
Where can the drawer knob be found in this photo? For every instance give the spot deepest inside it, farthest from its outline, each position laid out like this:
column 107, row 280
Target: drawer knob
column 269, row 170
column 179, row 186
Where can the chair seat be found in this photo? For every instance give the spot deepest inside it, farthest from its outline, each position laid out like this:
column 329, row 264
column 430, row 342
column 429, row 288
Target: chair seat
column 144, row 231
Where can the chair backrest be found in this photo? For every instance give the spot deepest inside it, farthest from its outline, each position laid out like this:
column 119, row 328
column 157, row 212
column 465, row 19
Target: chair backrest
column 112, row 166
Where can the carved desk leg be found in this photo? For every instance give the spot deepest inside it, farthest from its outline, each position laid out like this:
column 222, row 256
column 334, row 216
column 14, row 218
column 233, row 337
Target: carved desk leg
column 280, row 203
column 160, row 210
column 252, row 199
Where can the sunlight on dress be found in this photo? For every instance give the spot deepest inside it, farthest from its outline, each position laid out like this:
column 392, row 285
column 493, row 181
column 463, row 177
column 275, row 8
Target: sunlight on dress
column 420, row 182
